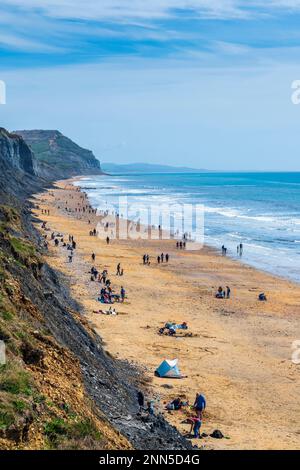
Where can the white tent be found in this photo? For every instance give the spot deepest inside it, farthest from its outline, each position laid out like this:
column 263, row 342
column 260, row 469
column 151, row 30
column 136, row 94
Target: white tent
column 169, row 369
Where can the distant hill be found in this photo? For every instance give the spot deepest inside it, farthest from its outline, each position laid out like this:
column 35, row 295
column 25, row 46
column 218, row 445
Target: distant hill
column 147, row 168
column 58, row 156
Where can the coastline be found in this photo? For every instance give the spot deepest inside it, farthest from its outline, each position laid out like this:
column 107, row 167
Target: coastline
column 269, row 237
column 240, row 354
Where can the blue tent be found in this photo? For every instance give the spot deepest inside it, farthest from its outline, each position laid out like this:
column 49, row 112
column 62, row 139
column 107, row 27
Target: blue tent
column 168, row 369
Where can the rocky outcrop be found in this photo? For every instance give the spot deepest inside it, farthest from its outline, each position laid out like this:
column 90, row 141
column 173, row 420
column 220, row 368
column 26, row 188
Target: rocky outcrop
column 17, row 167
column 58, row 156
column 15, row 152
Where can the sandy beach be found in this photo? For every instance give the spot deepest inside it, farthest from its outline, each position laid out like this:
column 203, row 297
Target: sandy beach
column 240, row 351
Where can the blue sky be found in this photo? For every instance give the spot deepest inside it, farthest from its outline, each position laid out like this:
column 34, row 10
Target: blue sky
column 204, row 83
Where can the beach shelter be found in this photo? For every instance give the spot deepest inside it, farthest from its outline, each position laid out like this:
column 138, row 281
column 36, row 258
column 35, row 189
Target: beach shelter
column 168, row 369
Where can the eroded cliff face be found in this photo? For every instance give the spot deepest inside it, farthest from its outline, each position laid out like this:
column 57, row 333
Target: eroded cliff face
column 17, row 168
column 15, row 152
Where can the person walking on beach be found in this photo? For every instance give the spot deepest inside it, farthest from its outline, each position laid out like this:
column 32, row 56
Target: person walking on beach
column 158, row 259
column 241, row 249
column 122, row 294
column 93, row 256
column 107, row 240
column 118, row 269
column 228, row 292
column 162, row 257
column 70, row 257
column 167, row 258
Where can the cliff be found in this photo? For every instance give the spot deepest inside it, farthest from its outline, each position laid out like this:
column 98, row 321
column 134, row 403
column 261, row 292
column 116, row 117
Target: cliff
column 17, row 167
column 59, row 389
column 57, row 156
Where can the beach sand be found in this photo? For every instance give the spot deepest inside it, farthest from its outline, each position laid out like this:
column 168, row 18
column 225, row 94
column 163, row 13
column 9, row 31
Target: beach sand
column 240, row 354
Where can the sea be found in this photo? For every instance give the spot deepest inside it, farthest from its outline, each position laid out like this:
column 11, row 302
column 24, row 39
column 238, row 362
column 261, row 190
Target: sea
column 261, row 211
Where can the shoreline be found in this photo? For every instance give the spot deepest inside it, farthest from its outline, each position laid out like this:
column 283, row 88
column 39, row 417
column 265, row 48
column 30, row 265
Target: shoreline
column 239, row 347
column 253, row 264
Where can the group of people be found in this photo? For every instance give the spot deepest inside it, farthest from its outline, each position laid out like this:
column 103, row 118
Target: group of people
column 196, row 421
column 161, row 258
column 141, row 402
column 223, row 294
column 107, row 296
column 198, row 406
column 146, row 259
column 239, row 250
column 58, row 238
column 181, row 245
column 177, row 404
column 171, row 328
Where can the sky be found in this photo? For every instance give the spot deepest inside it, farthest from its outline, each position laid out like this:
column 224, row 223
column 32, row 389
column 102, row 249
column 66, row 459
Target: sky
column 199, row 83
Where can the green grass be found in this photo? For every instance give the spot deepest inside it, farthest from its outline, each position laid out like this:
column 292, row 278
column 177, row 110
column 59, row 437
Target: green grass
column 7, row 316
column 83, row 428
column 55, row 428
column 22, row 248
column 58, row 430
column 11, row 408
column 19, row 405
column 15, row 380
column 6, row 418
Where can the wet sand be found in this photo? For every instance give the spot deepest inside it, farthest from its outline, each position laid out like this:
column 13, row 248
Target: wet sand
column 240, row 353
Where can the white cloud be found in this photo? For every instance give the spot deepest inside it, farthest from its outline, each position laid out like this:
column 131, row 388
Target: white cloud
column 131, row 9
column 19, row 43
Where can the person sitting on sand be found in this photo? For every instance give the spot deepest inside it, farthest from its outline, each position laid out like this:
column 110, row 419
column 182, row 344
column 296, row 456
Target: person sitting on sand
column 220, row 293
column 262, row 297
column 176, row 404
